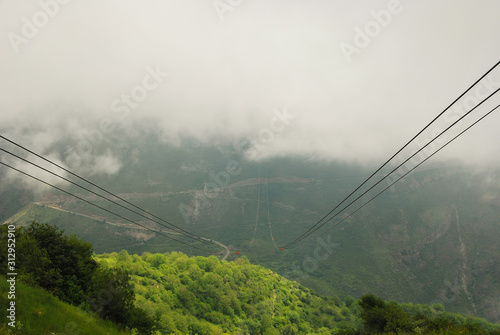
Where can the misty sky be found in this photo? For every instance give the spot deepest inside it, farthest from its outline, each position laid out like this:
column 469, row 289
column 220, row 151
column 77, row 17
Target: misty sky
column 357, row 79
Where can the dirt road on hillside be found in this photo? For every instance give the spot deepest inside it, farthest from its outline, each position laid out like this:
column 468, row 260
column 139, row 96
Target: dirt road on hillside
column 98, row 218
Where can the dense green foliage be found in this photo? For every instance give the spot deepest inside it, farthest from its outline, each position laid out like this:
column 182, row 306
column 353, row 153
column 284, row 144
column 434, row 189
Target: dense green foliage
column 431, row 239
column 380, row 317
column 45, row 257
column 175, row 294
column 63, row 266
column 112, row 297
column 203, row 295
column 425, row 240
column 200, row 295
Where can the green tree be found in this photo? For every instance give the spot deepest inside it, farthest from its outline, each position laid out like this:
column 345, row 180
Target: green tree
column 373, row 313
column 60, row 264
column 379, row 316
column 111, row 296
column 157, row 260
column 138, row 319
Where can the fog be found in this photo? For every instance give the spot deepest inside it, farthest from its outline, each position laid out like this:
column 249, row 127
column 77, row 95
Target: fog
column 332, row 80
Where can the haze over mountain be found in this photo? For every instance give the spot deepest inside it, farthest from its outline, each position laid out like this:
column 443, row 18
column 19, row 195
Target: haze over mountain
column 246, row 122
column 219, row 74
column 432, row 238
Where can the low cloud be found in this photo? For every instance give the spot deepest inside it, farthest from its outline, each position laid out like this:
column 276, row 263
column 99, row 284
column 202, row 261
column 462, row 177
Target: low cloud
column 227, row 77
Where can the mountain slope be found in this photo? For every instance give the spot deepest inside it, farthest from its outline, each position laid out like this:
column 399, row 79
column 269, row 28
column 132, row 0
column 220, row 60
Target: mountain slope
column 433, row 238
column 206, row 296
column 202, row 295
column 40, row 313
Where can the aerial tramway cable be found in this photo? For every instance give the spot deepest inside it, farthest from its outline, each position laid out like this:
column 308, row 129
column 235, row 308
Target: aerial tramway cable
column 268, row 215
column 416, row 166
column 387, row 175
column 194, row 237
column 178, row 229
column 258, row 206
column 306, row 233
column 102, row 208
column 266, row 190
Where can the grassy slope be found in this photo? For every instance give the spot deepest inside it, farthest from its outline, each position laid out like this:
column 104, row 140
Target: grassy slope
column 39, row 313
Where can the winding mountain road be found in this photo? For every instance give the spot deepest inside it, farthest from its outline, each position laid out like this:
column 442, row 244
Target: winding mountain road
column 126, row 226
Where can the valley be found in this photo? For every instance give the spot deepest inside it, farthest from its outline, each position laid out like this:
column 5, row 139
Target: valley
column 430, row 239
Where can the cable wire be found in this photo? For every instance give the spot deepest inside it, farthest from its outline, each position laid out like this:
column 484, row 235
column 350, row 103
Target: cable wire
column 416, row 166
column 268, row 215
column 97, row 186
column 394, row 155
column 258, row 206
column 194, row 237
column 305, row 235
column 102, row 208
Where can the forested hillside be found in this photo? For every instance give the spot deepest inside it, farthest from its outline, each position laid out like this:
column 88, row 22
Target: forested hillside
column 203, row 295
column 430, row 239
column 252, row 167
column 172, row 293
column 206, row 296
